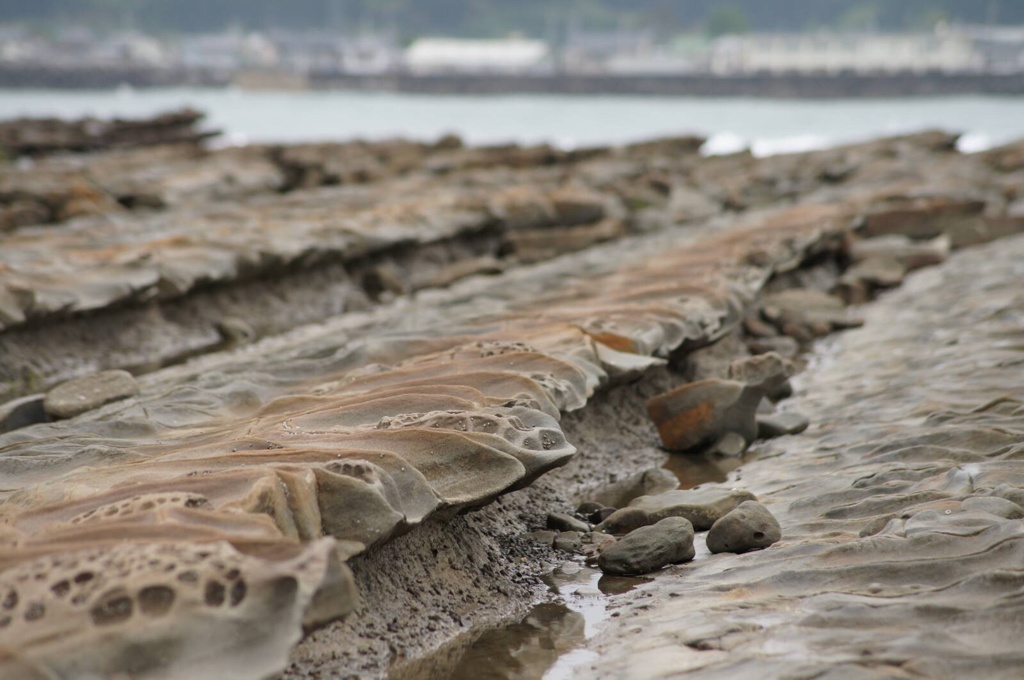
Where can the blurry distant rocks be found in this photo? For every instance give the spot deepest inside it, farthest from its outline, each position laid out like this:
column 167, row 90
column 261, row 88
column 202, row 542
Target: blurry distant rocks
column 41, row 136
column 172, row 238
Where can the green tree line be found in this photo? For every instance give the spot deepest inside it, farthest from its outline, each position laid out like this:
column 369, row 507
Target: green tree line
column 541, row 18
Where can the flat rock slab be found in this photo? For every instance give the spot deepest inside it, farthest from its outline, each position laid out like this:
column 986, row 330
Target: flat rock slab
column 701, row 507
column 89, row 392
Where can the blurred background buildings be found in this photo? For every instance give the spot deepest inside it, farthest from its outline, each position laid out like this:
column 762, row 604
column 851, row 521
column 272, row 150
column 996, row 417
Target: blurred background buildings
column 311, row 43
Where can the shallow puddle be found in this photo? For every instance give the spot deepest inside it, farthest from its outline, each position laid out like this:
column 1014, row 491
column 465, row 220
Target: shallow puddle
column 549, row 642
column 701, row 468
column 546, row 643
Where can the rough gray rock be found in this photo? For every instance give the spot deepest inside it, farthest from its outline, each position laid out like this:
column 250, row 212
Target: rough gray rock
column 768, row 371
column 701, row 507
column 749, row 527
column 650, row 548
column 619, row 494
column 89, row 392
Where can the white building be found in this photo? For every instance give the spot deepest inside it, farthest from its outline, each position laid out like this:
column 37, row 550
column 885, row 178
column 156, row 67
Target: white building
column 449, row 55
column 836, row 53
column 1001, row 48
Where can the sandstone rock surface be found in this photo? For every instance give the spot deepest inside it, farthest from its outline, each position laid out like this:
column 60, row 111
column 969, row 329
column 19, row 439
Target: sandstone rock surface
column 277, row 464
column 701, row 413
column 89, row 392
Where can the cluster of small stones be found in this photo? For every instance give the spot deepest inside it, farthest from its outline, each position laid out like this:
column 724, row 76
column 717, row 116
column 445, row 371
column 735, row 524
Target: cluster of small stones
column 286, row 459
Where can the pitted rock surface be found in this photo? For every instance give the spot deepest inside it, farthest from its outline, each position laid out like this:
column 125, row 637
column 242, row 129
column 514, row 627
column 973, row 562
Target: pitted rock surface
column 288, row 458
column 900, row 555
column 357, row 432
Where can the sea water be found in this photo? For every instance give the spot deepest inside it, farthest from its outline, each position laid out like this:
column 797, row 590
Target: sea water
column 767, row 126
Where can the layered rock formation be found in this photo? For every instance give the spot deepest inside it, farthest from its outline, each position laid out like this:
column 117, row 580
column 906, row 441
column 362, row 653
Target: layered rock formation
column 155, row 532
column 41, row 136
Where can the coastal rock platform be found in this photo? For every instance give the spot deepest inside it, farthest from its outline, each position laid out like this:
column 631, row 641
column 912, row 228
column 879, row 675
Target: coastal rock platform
column 329, row 424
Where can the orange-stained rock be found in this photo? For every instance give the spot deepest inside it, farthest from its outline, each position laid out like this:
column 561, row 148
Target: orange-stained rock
column 699, row 414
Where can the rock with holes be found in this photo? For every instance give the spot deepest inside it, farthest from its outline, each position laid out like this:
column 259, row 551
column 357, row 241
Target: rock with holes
column 167, row 610
column 89, row 392
column 749, row 527
column 699, row 414
column 649, row 548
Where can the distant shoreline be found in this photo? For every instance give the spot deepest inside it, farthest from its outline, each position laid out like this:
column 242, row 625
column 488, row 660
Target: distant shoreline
column 788, row 85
